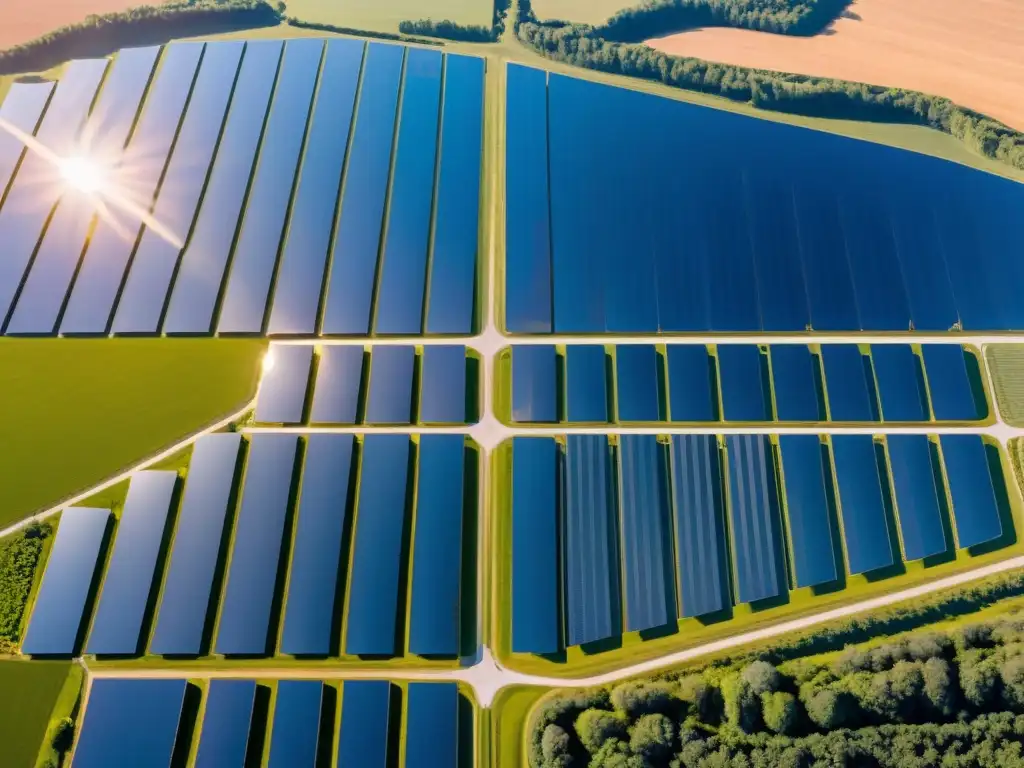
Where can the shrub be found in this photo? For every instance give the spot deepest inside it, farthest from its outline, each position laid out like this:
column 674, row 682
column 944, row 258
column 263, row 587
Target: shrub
column 762, row 677
column 830, row 709
column 596, row 726
column 555, row 747
column 781, row 712
column 634, row 699
column 652, row 736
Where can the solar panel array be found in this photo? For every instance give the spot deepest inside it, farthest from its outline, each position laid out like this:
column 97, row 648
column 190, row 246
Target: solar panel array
column 290, row 723
column 634, row 532
column 314, row 546
column 318, row 187
column 687, row 383
column 685, row 231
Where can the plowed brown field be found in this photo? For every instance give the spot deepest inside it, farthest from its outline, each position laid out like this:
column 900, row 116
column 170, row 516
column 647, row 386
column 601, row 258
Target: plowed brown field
column 24, row 20
column 971, row 52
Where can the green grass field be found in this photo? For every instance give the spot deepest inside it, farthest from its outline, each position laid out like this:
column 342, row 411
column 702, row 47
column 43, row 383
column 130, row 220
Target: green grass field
column 582, row 11
column 29, row 693
column 1006, row 361
column 79, row 411
column 385, row 15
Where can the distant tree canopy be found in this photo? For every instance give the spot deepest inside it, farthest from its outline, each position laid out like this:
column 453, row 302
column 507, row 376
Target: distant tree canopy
column 954, row 699
column 584, row 46
column 19, row 558
column 468, row 33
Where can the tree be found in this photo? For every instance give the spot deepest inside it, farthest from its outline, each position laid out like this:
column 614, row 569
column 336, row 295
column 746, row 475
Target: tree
column 704, row 698
column 596, row 726
column 652, row 736
column 781, row 712
column 742, row 705
column 555, row 747
column 830, row 710
column 979, row 680
column 939, row 688
column 643, row 698
column 762, row 677
column 63, row 735
column 1012, row 674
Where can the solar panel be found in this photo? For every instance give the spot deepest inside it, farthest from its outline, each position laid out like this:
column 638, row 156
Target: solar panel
column 57, row 617
column 744, row 398
column 282, row 393
column 646, row 533
column 390, row 395
column 752, row 501
column 917, row 501
column 830, row 293
column 535, row 571
column 339, row 378
column 128, row 585
column 403, row 270
column 586, row 398
column 443, row 385
column 435, row 612
column 198, row 285
column 900, row 383
column 971, row 489
column 636, row 383
column 296, row 731
column 358, row 232
column 365, row 722
column 432, row 725
column 807, row 511
column 227, row 723
column 861, row 505
column 317, row 551
column 259, row 239
column 534, row 391
column 948, row 383
column 797, row 397
column 144, row 295
column 130, row 722
column 377, row 551
column 246, row 610
column 182, row 615
column 300, row 275
column 452, row 282
column 22, row 107
column 692, row 388
column 846, row 383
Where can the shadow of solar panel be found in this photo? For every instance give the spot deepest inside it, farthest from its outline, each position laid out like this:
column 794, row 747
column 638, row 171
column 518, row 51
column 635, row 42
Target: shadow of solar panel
column 296, row 730
column 226, row 724
column 752, row 505
column 807, row 511
column 970, row 487
column 917, row 501
column 861, row 505
column 586, row 373
column 692, row 383
column 282, row 393
column 534, row 384
column 900, row 382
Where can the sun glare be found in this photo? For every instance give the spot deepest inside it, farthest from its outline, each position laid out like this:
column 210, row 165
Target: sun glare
column 83, row 174
column 268, row 362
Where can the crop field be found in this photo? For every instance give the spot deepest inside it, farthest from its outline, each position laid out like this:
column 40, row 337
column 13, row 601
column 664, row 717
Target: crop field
column 385, row 15
column 968, row 53
column 24, row 21
column 30, row 693
column 1006, row 361
column 582, row 11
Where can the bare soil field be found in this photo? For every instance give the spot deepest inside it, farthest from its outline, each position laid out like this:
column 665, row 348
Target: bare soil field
column 24, row 20
column 970, row 52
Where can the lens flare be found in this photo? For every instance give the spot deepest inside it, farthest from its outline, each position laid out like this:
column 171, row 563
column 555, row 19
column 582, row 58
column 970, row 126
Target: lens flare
column 83, row 174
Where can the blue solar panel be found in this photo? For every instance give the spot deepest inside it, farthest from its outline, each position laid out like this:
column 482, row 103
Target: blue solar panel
column 377, row 550
column 528, row 236
column 636, row 382
column 734, row 295
column 443, row 385
column 697, row 507
column 357, row 237
column 390, row 387
column 861, row 504
column 403, row 270
column 948, row 383
column 130, row 722
column 435, row 614
column 535, row 575
column 743, row 394
column 826, row 263
column 202, row 266
column 971, row 489
column 144, row 295
column 128, row 584
column 54, row 266
column 259, row 239
column 452, row 283
column 181, row 618
column 752, row 500
column 846, row 383
column 432, row 725
column 37, row 186
column 795, row 384
column 282, row 394
column 646, row 533
column 245, row 614
column 960, row 238
column 591, row 554
column 300, row 276
column 103, row 267
column 900, row 385
column 534, row 392
column 23, row 108
column 917, row 501
column 226, row 724
column 691, row 384
column 365, row 721
column 339, row 378
column 296, row 731
column 56, row 621
column 807, row 509
column 586, row 398
column 316, row 554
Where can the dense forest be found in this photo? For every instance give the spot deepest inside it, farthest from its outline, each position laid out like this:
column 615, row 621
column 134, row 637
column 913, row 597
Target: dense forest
column 19, row 558
column 926, row 699
column 147, row 24
column 468, row 33
column 335, row 29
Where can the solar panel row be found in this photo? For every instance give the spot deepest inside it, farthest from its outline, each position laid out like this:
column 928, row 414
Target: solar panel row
column 640, row 383
column 827, row 234
column 329, row 533
column 151, row 722
column 339, row 392
column 632, row 535
column 276, row 141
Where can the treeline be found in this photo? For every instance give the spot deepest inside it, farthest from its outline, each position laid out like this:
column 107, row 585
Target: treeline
column 19, row 558
column 954, row 699
column 796, row 94
column 662, row 17
column 467, row 33
column 333, row 28
column 147, row 24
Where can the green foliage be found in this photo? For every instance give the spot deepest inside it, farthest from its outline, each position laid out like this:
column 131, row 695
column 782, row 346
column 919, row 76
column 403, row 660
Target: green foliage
column 468, row 33
column 762, row 677
column 555, row 747
column 830, row 709
column 596, row 726
column 63, row 735
column 335, row 29
column 19, row 558
column 940, row 688
column 652, row 736
column 781, row 712
column 742, row 705
column 1012, row 675
column 636, row 698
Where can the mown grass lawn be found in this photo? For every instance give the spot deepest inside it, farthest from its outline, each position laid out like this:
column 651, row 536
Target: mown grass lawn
column 30, row 690
column 77, row 411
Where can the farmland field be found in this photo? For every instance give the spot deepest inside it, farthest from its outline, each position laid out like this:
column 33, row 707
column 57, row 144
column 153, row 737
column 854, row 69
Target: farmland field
column 583, row 11
column 1006, row 362
column 385, row 15
column 970, row 53
column 23, row 22
column 30, row 692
